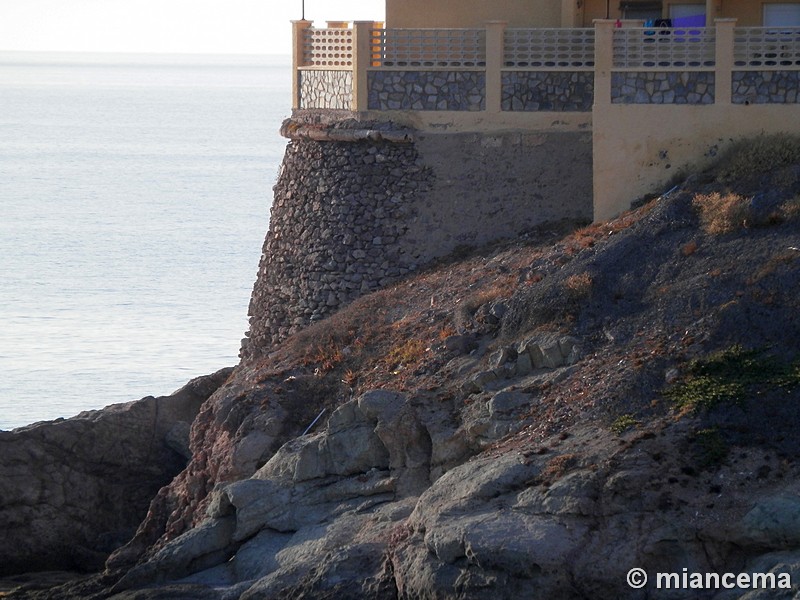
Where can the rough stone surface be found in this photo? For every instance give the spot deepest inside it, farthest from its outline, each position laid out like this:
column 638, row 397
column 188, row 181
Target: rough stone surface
column 326, row 89
column 547, row 91
column 766, row 87
column 566, row 522
column 352, row 217
column 529, row 487
column 427, row 90
column 75, row 489
column 336, row 224
column 671, row 87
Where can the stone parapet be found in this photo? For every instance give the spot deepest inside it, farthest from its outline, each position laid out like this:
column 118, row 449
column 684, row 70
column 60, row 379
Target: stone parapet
column 427, row 90
column 766, row 87
column 547, row 91
column 670, row 87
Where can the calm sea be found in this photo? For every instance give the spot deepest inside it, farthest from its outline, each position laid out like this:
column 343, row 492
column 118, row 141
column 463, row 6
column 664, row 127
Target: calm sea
column 134, row 199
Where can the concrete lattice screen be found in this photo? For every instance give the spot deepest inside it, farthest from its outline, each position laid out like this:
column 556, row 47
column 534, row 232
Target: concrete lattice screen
column 499, row 52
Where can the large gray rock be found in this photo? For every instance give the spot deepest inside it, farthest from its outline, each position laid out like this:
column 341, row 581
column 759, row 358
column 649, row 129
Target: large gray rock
column 74, row 489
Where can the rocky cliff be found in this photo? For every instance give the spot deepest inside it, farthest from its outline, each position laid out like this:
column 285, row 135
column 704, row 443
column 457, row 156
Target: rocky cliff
column 74, row 489
column 529, row 421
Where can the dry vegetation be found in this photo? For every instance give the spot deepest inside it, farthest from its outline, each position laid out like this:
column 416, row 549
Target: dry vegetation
column 755, row 156
column 722, row 213
column 578, row 287
column 395, row 338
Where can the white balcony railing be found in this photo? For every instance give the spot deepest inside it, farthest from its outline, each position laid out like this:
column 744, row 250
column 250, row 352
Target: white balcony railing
column 499, row 69
column 549, row 48
column 664, row 47
column 328, row 47
column 429, row 47
column 763, row 47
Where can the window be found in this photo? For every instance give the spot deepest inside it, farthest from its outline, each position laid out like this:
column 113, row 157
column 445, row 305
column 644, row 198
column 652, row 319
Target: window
column 782, row 15
column 688, row 15
column 641, row 10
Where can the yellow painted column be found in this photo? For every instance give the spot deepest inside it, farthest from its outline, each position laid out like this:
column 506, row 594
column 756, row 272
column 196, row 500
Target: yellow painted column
column 362, row 57
column 495, row 57
column 712, row 9
column 723, row 70
column 298, row 40
column 604, row 201
column 603, row 60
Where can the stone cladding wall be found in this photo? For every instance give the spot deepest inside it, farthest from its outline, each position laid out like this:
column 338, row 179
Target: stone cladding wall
column 350, row 217
column 326, row 89
column 547, row 91
column 338, row 212
column 670, row 87
column 766, row 87
column 426, row 90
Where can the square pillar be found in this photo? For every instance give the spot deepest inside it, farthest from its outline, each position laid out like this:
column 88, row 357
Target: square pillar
column 495, row 57
column 723, row 61
column 603, row 60
column 362, row 59
column 298, row 41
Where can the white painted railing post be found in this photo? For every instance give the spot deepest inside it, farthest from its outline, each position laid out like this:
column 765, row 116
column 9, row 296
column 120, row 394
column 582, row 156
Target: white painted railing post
column 495, row 57
column 723, row 69
column 298, row 41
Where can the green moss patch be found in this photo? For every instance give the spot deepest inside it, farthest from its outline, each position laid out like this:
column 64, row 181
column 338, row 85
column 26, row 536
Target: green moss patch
column 622, row 423
column 729, row 376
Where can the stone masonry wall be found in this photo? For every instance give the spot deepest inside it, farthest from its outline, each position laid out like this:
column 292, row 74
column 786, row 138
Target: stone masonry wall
column 326, row 89
column 766, row 87
column 426, row 90
column 669, row 87
column 547, row 91
column 351, row 217
column 338, row 212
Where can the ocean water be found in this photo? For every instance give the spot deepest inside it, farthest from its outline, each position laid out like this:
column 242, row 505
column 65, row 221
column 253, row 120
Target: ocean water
column 134, row 199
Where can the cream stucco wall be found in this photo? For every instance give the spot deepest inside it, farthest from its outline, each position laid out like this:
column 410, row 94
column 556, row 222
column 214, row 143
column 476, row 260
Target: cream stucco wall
column 640, row 149
column 596, row 9
column 472, row 13
column 547, row 13
column 748, row 12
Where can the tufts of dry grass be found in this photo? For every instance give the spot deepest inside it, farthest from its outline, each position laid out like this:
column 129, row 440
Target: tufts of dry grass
column 689, row 248
column 503, row 287
column 722, row 213
column 790, row 211
column 557, row 467
column 578, row 287
column 406, row 352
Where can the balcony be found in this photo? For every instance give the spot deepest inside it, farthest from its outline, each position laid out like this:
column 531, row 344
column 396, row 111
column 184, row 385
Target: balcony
column 498, row 70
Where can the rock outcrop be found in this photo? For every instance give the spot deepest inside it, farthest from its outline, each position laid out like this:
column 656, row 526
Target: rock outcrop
column 75, row 489
column 530, row 422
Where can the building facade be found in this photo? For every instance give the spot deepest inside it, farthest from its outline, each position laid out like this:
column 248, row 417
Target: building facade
column 659, row 96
